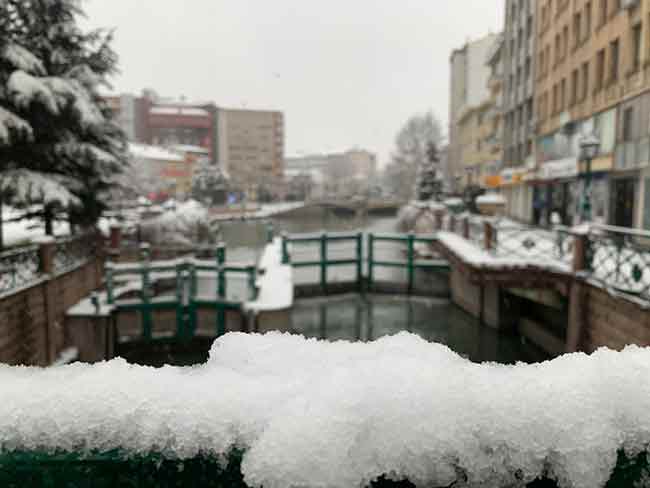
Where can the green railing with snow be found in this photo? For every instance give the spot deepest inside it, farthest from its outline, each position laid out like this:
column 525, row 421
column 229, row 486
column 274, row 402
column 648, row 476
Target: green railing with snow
column 198, row 283
column 278, row 410
column 405, row 257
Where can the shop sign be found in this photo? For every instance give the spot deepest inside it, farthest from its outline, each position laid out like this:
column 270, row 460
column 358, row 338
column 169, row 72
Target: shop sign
column 559, row 169
column 493, row 181
column 511, row 177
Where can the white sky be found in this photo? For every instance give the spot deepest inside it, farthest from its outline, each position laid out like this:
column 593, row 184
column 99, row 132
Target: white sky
column 344, row 72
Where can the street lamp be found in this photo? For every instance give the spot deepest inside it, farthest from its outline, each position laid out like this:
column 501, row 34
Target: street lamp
column 589, row 146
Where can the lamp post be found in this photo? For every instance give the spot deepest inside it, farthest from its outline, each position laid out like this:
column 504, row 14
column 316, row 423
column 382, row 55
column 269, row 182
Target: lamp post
column 589, row 146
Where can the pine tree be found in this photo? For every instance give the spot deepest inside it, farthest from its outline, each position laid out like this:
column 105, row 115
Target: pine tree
column 208, row 183
column 59, row 149
column 428, row 183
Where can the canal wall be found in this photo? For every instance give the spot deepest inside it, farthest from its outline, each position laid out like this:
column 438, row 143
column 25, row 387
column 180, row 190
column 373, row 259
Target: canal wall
column 32, row 316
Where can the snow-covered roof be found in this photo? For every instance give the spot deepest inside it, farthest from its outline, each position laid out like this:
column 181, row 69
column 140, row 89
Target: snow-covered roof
column 143, row 151
column 317, row 413
column 491, row 199
column 187, row 148
column 178, row 110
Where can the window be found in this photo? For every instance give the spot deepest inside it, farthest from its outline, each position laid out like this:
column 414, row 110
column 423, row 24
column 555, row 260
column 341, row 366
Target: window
column 602, row 19
column 613, row 58
column 574, row 87
column 585, row 80
column 557, row 50
column 628, row 120
column 577, row 24
column 555, row 100
column 600, row 70
column 562, row 94
column 587, row 29
column 565, row 41
column 636, row 48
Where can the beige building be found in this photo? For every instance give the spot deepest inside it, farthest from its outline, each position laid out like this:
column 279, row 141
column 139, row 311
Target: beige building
column 251, row 148
column 593, row 75
column 469, row 88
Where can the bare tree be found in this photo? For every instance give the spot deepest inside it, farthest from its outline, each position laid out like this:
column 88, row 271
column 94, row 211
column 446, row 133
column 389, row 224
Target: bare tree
column 412, row 144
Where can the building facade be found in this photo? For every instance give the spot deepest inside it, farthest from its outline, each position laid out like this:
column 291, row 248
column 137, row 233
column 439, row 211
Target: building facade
column 469, row 74
column 251, row 148
column 247, row 144
column 593, row 77
column 519, row 67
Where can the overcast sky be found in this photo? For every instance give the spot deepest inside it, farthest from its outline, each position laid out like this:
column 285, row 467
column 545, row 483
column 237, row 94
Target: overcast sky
column 344, row 72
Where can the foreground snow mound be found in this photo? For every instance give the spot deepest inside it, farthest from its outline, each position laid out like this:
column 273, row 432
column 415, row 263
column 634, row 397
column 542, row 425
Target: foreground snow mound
column 311, row 413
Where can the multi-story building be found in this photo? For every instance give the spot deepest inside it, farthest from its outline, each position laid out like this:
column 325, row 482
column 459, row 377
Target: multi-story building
column 251, row 148
column 469, row 89
column 519, row 66
column 247, row 144
column 593, row 76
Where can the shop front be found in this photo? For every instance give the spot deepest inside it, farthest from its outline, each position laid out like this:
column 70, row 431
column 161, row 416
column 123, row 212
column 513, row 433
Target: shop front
column 517, row 194
column 555, row 189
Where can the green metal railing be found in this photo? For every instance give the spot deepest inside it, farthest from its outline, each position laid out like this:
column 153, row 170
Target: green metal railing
column 325, row 260
column 409, row 262
column 119, row 469
column 186, row 299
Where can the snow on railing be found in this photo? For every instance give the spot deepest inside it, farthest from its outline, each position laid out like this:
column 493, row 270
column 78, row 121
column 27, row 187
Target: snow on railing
column 19, row 267
column 619, row 258
column 313, row 413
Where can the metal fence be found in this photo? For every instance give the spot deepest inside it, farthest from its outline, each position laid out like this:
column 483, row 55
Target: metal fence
column 619, row 258
column 72, row 252
column 19, row 267
column 534, row 244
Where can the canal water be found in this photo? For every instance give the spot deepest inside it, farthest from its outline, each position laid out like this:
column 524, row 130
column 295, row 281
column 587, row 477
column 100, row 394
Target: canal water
column 352, row 317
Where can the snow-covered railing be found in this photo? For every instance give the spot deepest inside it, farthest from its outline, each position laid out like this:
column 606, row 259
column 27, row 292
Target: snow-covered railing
column 301, row 412
column 71, row 252
column 537, row 245
column 196, row 283
column 19, row 268
column 619, row 258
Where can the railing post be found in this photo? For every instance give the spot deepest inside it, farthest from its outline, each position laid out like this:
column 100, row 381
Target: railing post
column 452, row 223
column 438, row 220
column 115, row 237
column 580, row 243
column 285, row 248
column 359, row 261
column 466, row 228
column 47, row 248
column 252, row 277
column 181, row 322
column 488, row 236
column 323, row 262
column 270, row 231
column 146, row 300
column 109, row 284
column 221, row 289
column 411, row 262
column 371, row 257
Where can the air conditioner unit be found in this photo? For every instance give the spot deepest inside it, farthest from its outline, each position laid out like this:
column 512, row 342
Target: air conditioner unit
column 628, row 4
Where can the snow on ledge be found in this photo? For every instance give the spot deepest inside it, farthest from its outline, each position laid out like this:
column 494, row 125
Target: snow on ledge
column 275, row 285
column 312, row 413
column 491, row 199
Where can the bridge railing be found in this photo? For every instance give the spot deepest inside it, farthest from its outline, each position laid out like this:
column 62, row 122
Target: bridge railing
column 197, row 283
column 325, row 251
column 407, row 257
column 619, row 258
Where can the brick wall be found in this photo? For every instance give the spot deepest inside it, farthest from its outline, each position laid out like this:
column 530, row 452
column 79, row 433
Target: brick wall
column 31, row 320
column 613, row 321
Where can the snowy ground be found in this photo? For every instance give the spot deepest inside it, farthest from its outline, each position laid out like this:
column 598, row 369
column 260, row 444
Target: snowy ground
column 312, row 413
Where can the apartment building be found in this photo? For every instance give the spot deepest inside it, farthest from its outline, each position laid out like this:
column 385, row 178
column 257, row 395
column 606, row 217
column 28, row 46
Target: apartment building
column 519, row 66
column 251, row 148
column 247, row 144
column 469, row 75
column 593, row 76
